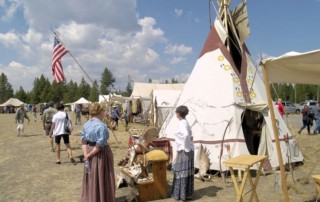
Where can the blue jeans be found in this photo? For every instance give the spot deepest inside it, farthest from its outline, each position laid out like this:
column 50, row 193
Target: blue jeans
column 317, row 128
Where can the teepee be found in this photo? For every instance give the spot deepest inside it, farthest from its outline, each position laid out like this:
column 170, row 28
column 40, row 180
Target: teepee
column 227, row 100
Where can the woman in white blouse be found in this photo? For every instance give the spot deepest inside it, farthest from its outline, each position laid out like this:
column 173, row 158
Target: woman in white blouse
column 183, row 165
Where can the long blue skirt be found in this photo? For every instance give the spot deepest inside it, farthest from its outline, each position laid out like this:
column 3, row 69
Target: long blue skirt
column 183, row 176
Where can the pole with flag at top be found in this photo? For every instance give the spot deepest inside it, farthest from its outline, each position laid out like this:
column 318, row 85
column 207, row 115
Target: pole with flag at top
column 58, row 52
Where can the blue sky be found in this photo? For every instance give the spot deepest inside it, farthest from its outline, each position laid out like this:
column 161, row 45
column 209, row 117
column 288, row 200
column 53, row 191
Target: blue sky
column 157, row 39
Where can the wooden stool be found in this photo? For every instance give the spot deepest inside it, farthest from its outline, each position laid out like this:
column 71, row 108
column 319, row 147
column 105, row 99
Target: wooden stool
column 156, row 186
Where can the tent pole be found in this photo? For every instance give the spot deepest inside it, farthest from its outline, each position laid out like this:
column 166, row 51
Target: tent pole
column 276, row 134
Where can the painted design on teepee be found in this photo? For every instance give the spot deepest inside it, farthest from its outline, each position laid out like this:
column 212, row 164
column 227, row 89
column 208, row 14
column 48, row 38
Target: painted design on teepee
column 252, row 94
column 221, row 58
column 227, row 67
column 235, row 79
column 238, row 92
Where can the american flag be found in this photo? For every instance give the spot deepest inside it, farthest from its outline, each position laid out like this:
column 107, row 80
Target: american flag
column 58, row 52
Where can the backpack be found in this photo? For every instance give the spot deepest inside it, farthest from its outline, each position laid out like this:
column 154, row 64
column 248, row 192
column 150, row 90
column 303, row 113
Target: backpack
column 67, row 125
column 49, row 117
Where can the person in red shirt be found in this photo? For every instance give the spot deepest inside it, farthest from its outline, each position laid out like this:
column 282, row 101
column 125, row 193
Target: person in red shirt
column 280, row 107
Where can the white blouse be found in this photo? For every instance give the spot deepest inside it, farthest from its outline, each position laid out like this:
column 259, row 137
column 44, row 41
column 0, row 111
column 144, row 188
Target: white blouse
column 183, row 137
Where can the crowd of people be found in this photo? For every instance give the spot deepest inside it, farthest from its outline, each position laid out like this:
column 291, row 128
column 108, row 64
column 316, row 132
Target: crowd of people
column 99, row 177
column 99, row 180
column 309, row 116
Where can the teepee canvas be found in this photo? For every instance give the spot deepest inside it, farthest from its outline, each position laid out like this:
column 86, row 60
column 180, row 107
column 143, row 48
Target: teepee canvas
column 227, row 101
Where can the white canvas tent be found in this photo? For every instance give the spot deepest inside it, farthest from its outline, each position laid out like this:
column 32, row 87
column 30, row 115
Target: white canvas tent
column 163, row 101
column 12, row 102
column 225, row 95
column 143, row 91
column 294, row 67
column 82, row 100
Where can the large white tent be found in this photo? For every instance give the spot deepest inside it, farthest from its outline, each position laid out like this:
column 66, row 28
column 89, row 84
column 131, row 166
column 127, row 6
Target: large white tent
column 226, row 97
column 82, row 100
column 143, row 91
column 12, row 102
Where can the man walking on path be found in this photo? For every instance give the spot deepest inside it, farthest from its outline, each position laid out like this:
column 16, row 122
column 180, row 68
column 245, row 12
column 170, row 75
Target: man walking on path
column 20, row 115
column 58, row 131
column 77, row 110
column 47, row 121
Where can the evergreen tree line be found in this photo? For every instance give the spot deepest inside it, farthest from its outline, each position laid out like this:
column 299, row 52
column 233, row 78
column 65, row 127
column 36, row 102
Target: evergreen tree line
column 43, row 90
column 294, row 93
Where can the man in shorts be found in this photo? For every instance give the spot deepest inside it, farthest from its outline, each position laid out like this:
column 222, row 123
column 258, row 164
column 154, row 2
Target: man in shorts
column 58, row 131
column 47, row 116
column 20, row 115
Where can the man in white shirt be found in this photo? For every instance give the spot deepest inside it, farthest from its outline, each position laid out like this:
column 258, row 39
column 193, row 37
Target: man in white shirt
column 58, row 132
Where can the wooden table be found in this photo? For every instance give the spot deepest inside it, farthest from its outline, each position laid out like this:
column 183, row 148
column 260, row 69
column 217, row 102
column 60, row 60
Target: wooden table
column 245, row 162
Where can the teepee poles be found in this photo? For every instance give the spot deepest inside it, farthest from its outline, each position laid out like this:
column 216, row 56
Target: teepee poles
column 276, row 134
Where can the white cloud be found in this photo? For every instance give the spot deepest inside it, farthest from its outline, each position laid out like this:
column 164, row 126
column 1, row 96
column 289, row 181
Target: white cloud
column 119, row 15
column 177, row 60
column 178, row 49
column 14, row 5
column 125, row 45
column 178, row 12
column 2, row 2
column 9, row 39
column 20, row 74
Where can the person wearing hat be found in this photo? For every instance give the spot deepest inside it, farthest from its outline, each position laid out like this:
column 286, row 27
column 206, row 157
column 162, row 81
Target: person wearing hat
column 20, row 115
column 47, row 117
column 115, row 114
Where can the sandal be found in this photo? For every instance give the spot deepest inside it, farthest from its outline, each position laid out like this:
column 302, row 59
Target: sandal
column 58, row 162
column 73, row 161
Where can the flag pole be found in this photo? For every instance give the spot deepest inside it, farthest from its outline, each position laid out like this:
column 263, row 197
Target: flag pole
column 56, row 35
column 276, row 134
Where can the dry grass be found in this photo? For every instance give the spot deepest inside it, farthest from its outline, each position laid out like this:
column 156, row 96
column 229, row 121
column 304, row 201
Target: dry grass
column 28, row 171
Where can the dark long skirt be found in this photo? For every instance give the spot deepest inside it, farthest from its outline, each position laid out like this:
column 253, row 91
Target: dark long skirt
column 183, row 176
column 99, row 184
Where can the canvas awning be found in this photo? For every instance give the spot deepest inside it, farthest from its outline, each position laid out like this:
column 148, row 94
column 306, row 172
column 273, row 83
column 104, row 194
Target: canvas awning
column 294, row 67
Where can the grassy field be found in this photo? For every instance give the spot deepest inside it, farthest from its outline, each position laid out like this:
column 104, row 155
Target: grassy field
column 28, row 171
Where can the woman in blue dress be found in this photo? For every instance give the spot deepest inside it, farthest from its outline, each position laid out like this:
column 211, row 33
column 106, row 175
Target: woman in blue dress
column 99, row 179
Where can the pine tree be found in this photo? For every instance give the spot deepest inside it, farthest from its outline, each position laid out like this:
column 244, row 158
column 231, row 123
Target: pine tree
column 107, row 82
column 84, row 89
column 94, row 93
column 6, row 90
column 21, row 95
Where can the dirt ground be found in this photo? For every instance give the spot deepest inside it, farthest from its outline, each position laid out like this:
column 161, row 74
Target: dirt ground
column 28, row 171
